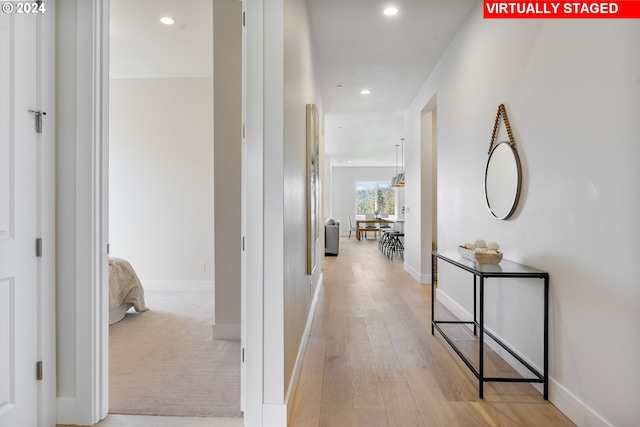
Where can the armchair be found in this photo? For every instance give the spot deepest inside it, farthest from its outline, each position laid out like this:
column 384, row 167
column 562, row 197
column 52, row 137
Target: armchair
column 331, row 237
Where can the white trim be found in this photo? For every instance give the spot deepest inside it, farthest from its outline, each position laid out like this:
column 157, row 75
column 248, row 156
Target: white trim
column 253, row 102
column 243, row 226
column 573, row 407
column 455, row 308
column 273, row 212
column 423, row 279
column 46, row 199
column 297, row 367
column 91, row 124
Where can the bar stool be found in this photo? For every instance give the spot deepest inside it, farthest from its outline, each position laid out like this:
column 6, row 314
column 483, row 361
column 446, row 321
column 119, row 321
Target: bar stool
column 387, row 244
column 384, row 238
column 395, row 245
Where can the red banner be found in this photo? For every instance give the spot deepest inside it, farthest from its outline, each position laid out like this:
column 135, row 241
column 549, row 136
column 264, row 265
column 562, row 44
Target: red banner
column 624, row 9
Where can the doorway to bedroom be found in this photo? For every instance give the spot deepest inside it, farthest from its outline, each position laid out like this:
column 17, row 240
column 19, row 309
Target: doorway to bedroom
column 164, row 361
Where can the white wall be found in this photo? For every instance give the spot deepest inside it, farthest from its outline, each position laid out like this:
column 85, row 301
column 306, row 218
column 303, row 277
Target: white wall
column 161, row 177
column 572, row 93
column 300, row 88
column 343, row 191
column 279, row 293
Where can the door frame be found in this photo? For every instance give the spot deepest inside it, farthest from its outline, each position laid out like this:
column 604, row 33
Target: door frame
column 91, row 258
column 82, row 259
column 92, row 264
column 46, row 200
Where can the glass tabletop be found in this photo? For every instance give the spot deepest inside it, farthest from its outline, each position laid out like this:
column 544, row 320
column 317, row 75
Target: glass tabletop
column 504, row 268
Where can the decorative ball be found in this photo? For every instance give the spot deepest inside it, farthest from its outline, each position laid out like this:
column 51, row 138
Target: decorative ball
column 479, row 244
column 493, row 246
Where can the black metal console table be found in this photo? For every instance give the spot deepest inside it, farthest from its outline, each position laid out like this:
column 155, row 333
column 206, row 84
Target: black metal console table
column 506, row 269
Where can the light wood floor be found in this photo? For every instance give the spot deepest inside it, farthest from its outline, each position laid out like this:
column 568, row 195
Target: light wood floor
column 371, row 359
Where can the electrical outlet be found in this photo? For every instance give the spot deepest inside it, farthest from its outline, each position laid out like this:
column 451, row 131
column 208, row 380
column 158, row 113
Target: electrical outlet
column 203, row 267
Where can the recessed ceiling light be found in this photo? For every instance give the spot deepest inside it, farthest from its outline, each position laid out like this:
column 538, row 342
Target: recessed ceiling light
column 339, row 86
column 167, row 20
column 390, row 11
column 365, row 92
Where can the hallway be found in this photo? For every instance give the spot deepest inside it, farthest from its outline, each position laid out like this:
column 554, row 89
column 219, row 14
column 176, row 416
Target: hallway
column 371, row 359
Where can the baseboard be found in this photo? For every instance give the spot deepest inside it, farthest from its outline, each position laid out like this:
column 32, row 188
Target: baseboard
column 297, row 367
column 226, row 331
column 423, row 279
column 575, row 409
column 274, row 414
column 178, row 285
column 66, row 407
column 455, row 308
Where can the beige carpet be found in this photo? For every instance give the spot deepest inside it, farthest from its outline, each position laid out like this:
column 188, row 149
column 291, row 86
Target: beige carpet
column 164, row 361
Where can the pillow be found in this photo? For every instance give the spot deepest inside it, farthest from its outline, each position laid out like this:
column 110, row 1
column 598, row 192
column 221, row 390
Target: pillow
column 330, row 221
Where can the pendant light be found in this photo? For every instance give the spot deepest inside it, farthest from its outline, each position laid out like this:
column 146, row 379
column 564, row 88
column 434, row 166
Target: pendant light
column 399, row 178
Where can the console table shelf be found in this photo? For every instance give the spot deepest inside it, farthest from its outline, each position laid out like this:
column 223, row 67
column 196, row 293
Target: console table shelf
column 506, row 269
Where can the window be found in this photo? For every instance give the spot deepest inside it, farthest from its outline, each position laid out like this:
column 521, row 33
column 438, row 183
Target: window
column 375, row 197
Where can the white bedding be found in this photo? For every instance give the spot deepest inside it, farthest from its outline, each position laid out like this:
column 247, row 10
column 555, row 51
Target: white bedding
column 124, row 288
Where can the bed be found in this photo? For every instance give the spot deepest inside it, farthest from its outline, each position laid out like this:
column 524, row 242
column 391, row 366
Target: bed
column 125, row 290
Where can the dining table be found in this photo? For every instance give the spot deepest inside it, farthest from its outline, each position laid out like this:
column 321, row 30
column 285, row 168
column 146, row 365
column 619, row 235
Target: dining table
column 370, row 221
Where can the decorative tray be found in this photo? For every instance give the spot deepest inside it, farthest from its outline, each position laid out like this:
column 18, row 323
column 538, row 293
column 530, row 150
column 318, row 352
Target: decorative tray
column 480, row 257
column 466, row 253
column 485, row 258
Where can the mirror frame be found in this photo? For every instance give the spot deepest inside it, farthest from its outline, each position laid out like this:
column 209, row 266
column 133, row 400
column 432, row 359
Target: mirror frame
column 516, row 197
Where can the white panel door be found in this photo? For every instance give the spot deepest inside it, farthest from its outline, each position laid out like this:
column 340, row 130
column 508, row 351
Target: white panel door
column 18, row 262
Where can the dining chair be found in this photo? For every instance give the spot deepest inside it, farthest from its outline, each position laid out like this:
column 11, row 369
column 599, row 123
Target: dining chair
column 351, row 226
column 370, row 227
column 384, row 226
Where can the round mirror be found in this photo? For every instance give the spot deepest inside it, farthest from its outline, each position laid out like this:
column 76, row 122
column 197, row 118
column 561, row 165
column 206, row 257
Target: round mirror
column 502, row 180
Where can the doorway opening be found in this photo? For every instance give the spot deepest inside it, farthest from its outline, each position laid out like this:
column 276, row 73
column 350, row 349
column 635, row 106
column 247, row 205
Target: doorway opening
column 429, row 172
column 161, row 213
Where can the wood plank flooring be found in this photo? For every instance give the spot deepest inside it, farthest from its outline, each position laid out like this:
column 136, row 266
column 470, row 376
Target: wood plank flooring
column 371, row 359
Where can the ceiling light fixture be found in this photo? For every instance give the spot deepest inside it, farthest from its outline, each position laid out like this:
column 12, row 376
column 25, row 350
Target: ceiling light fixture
column 167, row 20
column 365, row 92
column 390, row 11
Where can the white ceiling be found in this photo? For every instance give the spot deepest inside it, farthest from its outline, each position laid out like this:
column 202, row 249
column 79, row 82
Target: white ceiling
column 357, row 46
column 141, row 46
